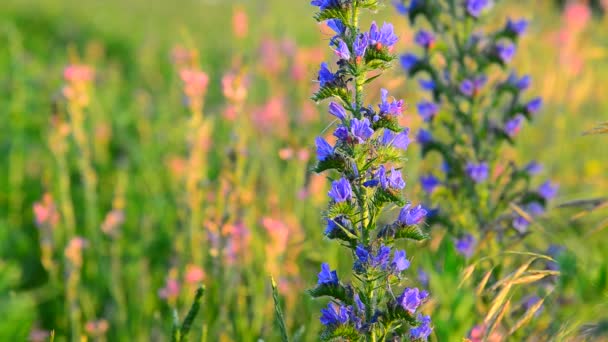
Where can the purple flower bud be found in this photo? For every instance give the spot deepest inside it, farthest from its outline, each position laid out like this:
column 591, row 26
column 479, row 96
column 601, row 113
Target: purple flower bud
column 428, row 85
column 533, row 168
column 388, row 38
column 534, row 105
column 513, row 126
column 336, row 25
column 471, row 87
column 465, row 245
column 389, row 108
column 327, row 276
column 424, row 137
column 412, row 216
column 358, row 303
column 408, row 61
column 478, row 172
column 334, row 315
column 427, row 110
column 517, row 27
column 423, row 330
column 429, row 183
column 325, row 75
column 324, row 149
column 341, row 133
column 423, row 277
column 411, row 299
column 505, row 52
column 425, row 39
column 326, row 4
column 475, row 7
column 361, row 129
column 342, row 51
column 548, row 190
column 340, row 190
column 337, row 111
column 522, row 83
column 400, row 262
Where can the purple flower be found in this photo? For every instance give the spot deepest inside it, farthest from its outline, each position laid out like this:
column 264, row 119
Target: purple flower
column 505, row 52
column 478, row 172
column 534, row 105
column 429, row 182
column 337, row 111
column 408, row 61
column 391, row 108
column 327, row 276
column 422, row 331
column 423, row 277
column 548, row 190
column 340, row 190
column 471, row 87
column 324, row 149
column 360, row 45
column 361, row 129
column 336, row 25
column 384, row 37
column 522, row 83
column 393, row 181
column 325, row 75
column 400, row 140
column 427, row 110
column 334, row 227
column 424, row 137
column 334, row 315
column 517, row 27
column 400, row 262
column 411, row 216
column 533, row 168
column 533, row 209
column 341, row 132
column 475, row 7
column 425, row 38
column 381, row 258
column 358, row 303
column 465, row 245
column 411, row 299
column 342, row 50
column 513, row 126
column 428, row 85
column 362, row 254
column 325, row 4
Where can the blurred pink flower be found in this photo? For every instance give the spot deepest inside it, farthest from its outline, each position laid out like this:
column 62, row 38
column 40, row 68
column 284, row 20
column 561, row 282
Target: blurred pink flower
column 278, row 232
column 576, row 16
column 239, row 239
column 234, row 86
column 73, row 251
column 194, row 274
column 78, row 73
column 303, row 155
column 272, row 60
column 195, row 82
column 170, row 291
column 476, row 335
column 45, row 212
column 286, row 153
column 114, row 219
column 272, row 117
column 38, row 335
column 97, row 328
column 310, row 113
column 181, row 56
column 240, row 23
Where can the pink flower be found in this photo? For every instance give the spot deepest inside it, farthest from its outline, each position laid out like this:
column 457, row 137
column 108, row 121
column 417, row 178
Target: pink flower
column 38, row 335
column 576, row 16
column 45, row 212
column 240, row 23
column 234, row 86
column 170, row 291
column 194, row 274
column 73, row 251
column 195, row 82
column 97, row 328
column 114, row 219
column 78, row 73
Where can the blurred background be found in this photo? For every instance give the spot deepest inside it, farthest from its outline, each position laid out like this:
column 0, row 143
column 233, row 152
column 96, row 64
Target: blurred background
column 130, row 177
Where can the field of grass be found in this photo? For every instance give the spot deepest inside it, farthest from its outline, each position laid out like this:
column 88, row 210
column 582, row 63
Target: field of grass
column 166, row 195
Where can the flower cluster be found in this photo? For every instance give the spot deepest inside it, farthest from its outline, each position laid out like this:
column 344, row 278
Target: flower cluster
column 369, row 146
column 475, row 107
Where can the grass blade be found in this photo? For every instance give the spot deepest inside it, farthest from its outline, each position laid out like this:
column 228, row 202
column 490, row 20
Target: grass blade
column 187, row 324
column 279, row 311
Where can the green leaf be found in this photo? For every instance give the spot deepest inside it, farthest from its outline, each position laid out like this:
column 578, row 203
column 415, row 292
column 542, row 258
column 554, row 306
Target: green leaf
column 332, row 163
column 389, row 122
column 340, row 333
column 333, row 13
column 339, row 292
column 187, row 324
column 332, row 91
column 278, row 311
column 342, row 209
column 398, row 230
column 383, row 196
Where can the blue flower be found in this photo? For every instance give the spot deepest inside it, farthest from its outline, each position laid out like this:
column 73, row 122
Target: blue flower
column 425, row 38
column 362, row 254
column 340, row 190
column 325, row 75
column 388, row 38
column 427, row 110
column 400, row 262
column 334, row 315
column 411, row 216
column 478, row 172
column 516, row 27
column 325, row 4
column 475, row 7
column 341, row 132
column 422, row 331
column 548, row 190
column 395, row 180
column 327, row 276
column 533, row 209
column 429, row 182
column 342, row 50
column 424, row 137
column 400, row 140
column 337, row 111
column 409, row 61
column 423, row 277
column 513, row 126
column 360, row 45
column 465, row 245
column 358, row 303
column 334, row 227
column 470, row 87
column 336, row 25
column 381, row 259
column 391, row 108
column 533, row 168
column 428, row 85
column 522, row 83
column 534, row 105
column 505, row 52
column 411, row 299
column 324, row 149
column 361, row 129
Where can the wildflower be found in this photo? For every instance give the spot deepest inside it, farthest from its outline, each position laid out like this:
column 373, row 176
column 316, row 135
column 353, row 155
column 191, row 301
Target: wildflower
column 73, row 251
column 334, row 315
column 194, row 274
column 342, row 50
column 533, row 209
column 170, row 291
column 534, row 105
column 391, row 108
column 465, row 245
column 531, row 301
column 337, row 26
column 195, row 82
column 423, row 277
column 341, row 133
column 513, row 126
column 505, row 52
column 475, row 7
column 478, row 172
column 337, row 111
column 383, row 38
column 325, row 75
column 361, row 129
column 113, row 220
column 424, row 137
column 395, row 180
column 429, row 183
column 324, row 149
column 340, row 191
column 548, row 190
column 425, row 39
column 360, row 45
column 97, row 328
column 400, row 262
column 327, row 276
column 522, row 83
column 422, row 331
column 516, row 27
column 411, row 299
column 411, row 216
column 240, row 23
column 427, row 110
column 471, row 87
column 409, row 61
column 45, row 212
column 428, row 85
column 533, row 168
column 400, row 140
